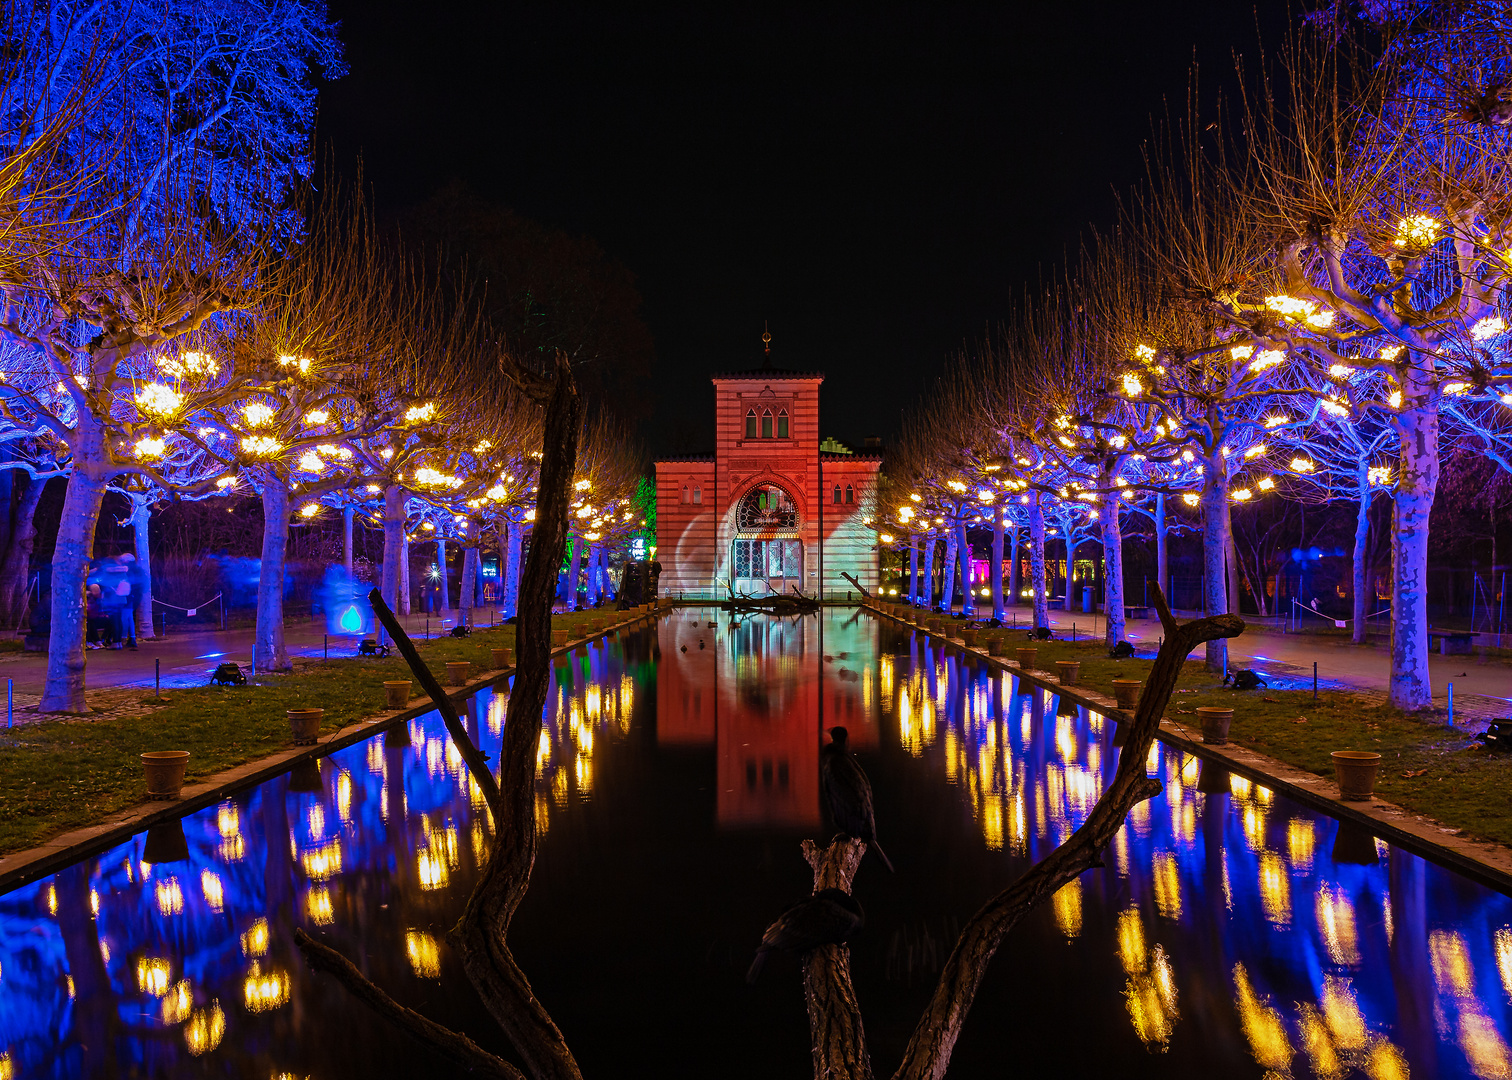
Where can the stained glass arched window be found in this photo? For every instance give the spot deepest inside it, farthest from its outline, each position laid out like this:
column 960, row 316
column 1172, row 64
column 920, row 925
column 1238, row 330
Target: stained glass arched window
column 766, row 423
column 766, row 506
column 850, row 495
column 750, row 423
column 782, row 424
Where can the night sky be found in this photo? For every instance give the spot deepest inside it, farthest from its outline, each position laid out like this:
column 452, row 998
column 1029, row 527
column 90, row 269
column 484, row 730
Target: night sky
column 878, row 181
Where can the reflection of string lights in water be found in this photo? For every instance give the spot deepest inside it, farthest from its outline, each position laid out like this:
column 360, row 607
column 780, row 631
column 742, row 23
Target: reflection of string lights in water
column 1168, row 885
column 318, row 906
column 263, row 991
column 1299, row 843
column 153, row 975
column 177, row 1002
column 323, row 862
column 1275, row 890
column 1336, row 922
column 7, row 1067
column 424, row 954
column 205, row 1029
column 1263, row 1026
column 215, row 892
column 1068, row 908
column 1454, row 976
column 170, row 897
column 254, row 941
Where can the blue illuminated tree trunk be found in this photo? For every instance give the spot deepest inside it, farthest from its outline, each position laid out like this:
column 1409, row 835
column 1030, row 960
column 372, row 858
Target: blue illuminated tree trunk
column 510, row 590
column 393, row 547
column 997, row 564
column 1162, row 552
column 406, row 593
column 593, row 573
column 1016, row 572
column 348, row 513
column 929, row 553
column 64, row 688
column 1361, row 543
column 947, row 590
column 466, row 597
column 141, row 515
column 574, row 568
column 968, row 602
column 1037, row 560
column 1417, row 481
column 1215, row 531
column 15, row 574
column 1113, row 575
column 913, row 569
column 1072, row 546
column 443, row 583
column 272, row 655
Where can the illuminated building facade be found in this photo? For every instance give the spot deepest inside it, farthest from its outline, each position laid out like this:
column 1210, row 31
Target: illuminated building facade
column 748, row 516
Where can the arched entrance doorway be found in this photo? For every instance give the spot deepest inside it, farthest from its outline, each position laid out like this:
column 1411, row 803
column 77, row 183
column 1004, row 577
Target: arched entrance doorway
column 766, row 555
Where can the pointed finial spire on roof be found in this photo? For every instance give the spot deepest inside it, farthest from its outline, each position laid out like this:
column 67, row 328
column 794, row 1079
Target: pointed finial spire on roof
column 766, row 342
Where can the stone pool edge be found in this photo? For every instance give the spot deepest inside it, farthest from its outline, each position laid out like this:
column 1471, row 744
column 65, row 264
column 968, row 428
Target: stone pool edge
column 1484, row 861
column 27, row 865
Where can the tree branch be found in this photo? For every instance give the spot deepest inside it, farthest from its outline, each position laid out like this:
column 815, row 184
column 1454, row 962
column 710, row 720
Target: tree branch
column 835, row 1028
column 454, row 1046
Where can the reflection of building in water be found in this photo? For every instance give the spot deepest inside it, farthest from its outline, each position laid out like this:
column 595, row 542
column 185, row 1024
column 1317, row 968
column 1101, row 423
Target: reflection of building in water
column 753, row 691
column 747, row 516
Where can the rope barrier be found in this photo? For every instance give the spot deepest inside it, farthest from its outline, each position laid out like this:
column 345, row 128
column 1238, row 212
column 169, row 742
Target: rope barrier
column 1336, row 622
column 190, row 610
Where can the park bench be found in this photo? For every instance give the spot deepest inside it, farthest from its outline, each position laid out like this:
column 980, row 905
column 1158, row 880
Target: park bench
column 1136, row 611
column 1056, row 603
column 1452, row 642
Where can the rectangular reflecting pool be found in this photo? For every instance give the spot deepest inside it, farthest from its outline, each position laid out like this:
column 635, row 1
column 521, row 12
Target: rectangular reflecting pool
column 1232, row 932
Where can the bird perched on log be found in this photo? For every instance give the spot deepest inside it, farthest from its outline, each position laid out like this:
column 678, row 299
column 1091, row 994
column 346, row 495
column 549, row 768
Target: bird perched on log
column 829, row 917
column 849, row 792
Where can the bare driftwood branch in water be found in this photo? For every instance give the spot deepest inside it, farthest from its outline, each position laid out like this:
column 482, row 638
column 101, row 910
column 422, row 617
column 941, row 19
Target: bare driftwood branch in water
column 839, row 1039
column 481, row 936
column 856, row 583
column 454, row 1045
column 836, row 1034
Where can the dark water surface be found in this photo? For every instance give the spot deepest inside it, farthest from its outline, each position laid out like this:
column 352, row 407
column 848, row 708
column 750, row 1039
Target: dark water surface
column 1232, row 933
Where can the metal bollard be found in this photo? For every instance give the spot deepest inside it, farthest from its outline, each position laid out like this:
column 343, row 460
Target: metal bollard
column 157, row 677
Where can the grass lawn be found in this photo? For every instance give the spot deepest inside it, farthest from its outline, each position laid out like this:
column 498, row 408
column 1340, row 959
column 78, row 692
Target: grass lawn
column 1452, row 779
column 60, row 774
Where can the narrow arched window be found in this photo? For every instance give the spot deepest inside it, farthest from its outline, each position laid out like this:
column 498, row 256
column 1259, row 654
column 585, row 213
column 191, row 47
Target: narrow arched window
column 697, row 494
column 685, row 493
column 766, row 424
column 837, row 493
column 782, row 428
column 751, row 424
column 850, row 495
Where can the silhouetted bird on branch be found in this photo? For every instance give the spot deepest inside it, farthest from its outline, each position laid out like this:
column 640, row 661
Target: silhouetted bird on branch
column 849, row 793
column 829, row 917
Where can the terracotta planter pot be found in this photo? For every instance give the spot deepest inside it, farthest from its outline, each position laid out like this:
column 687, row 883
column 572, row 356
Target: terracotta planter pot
column 1028, row 659
column 164, row 770
column 456, row 672
column 502, row 658
column 396, row 693
column 933, row 625
column 596, row 626
column 1215, row 724
column 1126, row 692
column 1212, row 778
column 1355, row 771
column 1068, row 671
column 994, row 646
column 304, row 725
column 558, row 638
column 969, row 638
